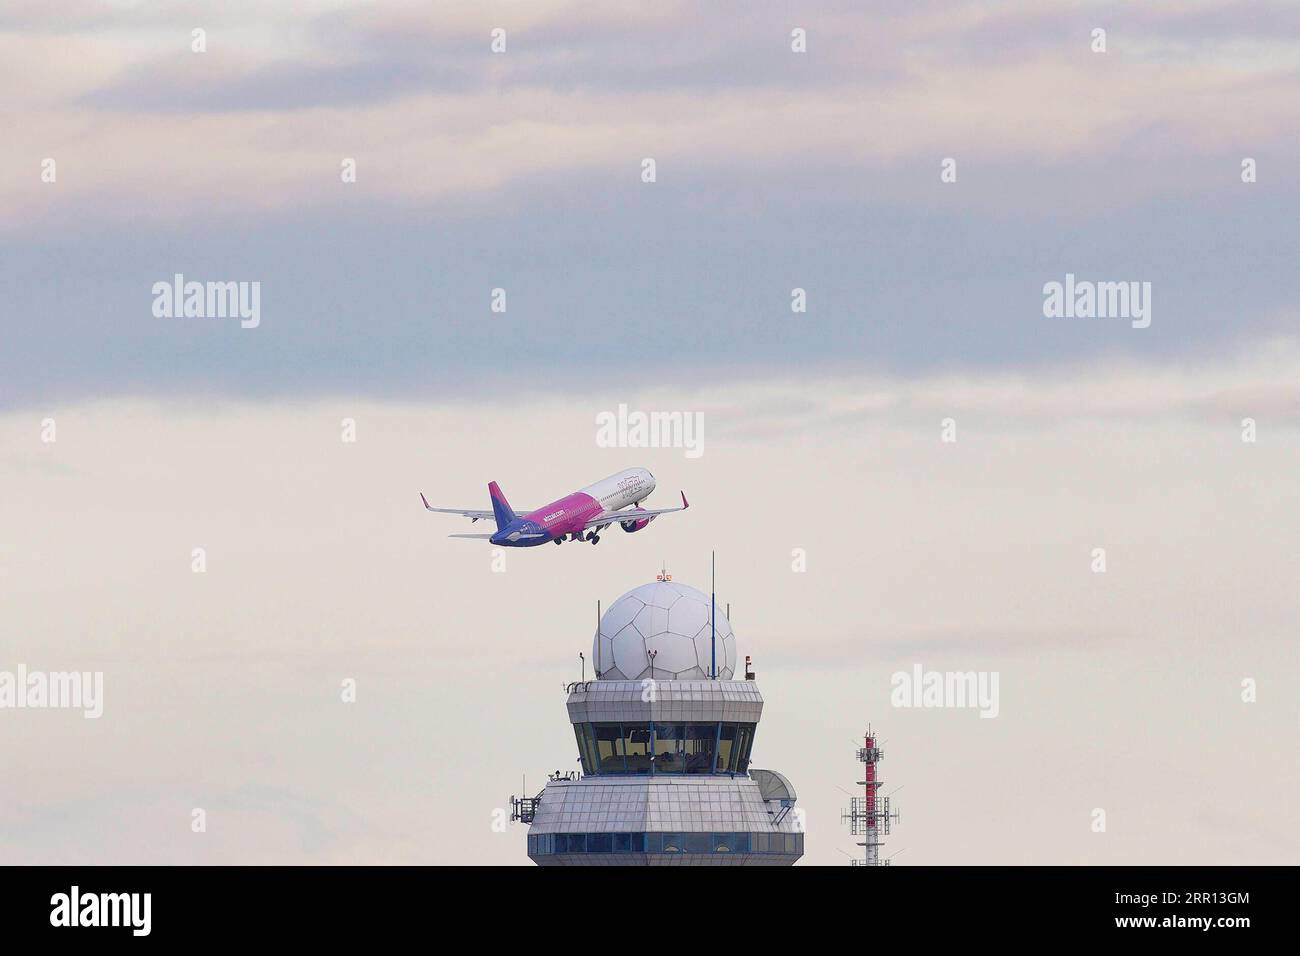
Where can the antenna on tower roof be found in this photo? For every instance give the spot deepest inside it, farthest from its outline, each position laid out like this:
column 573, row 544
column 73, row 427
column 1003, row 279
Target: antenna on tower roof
column 713, row 615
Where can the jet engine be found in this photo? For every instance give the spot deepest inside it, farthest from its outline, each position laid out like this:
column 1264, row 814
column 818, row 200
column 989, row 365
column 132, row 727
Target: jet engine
column 635, row 524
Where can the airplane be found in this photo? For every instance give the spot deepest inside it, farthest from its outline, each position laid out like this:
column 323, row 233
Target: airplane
column 580, row 516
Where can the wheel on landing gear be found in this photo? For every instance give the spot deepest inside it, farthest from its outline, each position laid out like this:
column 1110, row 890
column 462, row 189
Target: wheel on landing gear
column 559, row 541
column 594, row 538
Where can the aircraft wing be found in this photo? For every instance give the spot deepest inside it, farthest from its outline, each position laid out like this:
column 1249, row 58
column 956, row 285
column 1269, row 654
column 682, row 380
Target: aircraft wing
column 606, row 517
column 472, row 514
column 514, row 536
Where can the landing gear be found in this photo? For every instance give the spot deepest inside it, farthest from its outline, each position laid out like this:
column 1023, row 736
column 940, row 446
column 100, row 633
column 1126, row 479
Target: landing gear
column 594, row 538
column 559, row 541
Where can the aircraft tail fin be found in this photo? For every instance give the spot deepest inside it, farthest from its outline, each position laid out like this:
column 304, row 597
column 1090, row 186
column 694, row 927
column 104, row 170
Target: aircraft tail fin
column 500, row 507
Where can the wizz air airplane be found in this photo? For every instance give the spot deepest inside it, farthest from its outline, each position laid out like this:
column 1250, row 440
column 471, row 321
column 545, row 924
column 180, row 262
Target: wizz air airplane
column 581, row 516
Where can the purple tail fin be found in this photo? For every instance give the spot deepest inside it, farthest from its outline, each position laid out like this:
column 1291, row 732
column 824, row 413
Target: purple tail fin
column 500, row 507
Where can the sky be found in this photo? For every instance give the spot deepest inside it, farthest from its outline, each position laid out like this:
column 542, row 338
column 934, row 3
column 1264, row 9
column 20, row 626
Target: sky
column 824, row 429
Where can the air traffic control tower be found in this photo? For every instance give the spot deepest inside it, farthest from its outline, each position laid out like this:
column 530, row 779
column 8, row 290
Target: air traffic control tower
column 664, row 737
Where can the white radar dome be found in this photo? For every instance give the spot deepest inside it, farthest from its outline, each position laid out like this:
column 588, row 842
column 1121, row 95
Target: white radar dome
column 661, row 630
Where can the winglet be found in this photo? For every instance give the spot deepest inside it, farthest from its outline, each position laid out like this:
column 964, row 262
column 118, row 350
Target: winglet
column 685, row 504
column 425, row 500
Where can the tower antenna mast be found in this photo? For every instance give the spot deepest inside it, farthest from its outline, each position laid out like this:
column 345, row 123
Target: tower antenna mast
column 713, row 616
column 869, row 816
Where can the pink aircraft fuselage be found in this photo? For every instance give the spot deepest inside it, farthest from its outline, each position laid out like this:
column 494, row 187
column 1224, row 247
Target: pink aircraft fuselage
column 616, row 498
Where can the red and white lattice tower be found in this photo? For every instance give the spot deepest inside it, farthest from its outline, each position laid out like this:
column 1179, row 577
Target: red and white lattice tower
column 869, row 816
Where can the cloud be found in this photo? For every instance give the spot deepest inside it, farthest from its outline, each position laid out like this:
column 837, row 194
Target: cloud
column 261, row 120
column 1259, row 380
